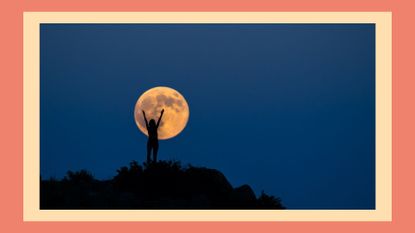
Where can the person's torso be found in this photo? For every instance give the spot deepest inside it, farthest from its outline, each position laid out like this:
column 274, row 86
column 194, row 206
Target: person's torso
column 152, row 133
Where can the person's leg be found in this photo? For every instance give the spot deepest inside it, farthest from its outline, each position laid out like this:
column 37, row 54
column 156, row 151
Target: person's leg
column 148, row 152
column 155, row 150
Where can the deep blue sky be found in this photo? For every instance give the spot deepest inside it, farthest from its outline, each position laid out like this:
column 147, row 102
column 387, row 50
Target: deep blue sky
column 288, row 109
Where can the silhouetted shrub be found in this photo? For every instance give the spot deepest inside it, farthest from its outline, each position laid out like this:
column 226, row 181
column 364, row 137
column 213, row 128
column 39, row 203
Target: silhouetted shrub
column 79, row 176
column 128, row 178
column 269, row 202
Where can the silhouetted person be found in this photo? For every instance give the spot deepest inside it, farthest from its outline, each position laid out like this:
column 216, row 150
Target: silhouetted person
column 153, row 141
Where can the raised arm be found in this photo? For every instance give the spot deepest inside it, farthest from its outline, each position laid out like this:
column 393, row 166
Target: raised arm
column 145, row 119
column 161, row 115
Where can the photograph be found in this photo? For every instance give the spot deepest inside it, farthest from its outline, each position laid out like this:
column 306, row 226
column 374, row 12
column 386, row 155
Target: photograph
column 207, row 116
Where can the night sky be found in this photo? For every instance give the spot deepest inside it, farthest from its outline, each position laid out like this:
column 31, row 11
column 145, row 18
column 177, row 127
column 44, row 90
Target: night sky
column 288, row 109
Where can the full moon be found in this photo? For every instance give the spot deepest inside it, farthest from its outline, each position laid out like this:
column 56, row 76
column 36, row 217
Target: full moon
column 176, row 111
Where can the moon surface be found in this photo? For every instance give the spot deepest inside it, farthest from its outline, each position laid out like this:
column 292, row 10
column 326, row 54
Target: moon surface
column 176, row 111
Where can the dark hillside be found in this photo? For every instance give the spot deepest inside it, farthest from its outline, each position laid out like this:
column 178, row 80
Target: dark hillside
column 163, row 185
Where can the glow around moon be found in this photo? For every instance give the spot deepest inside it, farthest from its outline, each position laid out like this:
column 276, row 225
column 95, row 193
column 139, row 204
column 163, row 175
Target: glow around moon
column 176, row 111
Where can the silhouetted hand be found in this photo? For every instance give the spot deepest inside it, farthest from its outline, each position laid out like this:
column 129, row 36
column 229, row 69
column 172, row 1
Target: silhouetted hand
column 144, row 113
column 161, row 115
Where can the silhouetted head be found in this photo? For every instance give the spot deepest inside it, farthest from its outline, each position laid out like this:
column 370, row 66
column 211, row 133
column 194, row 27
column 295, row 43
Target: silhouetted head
column 152, row 123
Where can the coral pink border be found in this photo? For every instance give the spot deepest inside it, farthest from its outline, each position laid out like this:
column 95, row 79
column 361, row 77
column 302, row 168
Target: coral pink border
column 11, row 101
